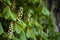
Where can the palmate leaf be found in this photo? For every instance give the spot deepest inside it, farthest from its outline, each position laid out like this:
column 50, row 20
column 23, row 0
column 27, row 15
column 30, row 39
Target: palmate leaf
column 36, row 31
column 31, row 23
column 8, row 14
column 30, row 34
column 15, row 38
column 22, row 36
column 18, row 28
column 45, row 11
column 13, row 16
column 44, row 35
column 1, row 29
column 22, row 24
column 37, row 24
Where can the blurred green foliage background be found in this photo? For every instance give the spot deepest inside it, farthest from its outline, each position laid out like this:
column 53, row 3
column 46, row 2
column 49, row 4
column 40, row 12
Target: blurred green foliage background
column 25, row 20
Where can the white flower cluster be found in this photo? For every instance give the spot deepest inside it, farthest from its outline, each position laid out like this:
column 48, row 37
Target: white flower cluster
column 20, row 14
column 10, row 30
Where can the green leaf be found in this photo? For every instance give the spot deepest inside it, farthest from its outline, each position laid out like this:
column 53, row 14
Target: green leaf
column 36, row 23
column 31, row 11
column 31, row 23
column 40, row 2
column 36, row 31
column 44, row 36
column 45, row 11
column 32, row 1
column 18, row 31
column 14, row 38
column 8, row 14
column 51, row 31
column 1, row 29
column 17, row 28
column 22, row 36
column 13, row 16
column 21, row 23
column 8, row 1
column 28, row 34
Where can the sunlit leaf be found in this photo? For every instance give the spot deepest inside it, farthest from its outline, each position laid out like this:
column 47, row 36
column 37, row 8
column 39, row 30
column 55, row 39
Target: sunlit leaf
column 21, row 23
column 16, row 28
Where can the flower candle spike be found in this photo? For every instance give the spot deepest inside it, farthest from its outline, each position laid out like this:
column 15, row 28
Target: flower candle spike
column 20, row 13
column 10, row 30
column 29, row 15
